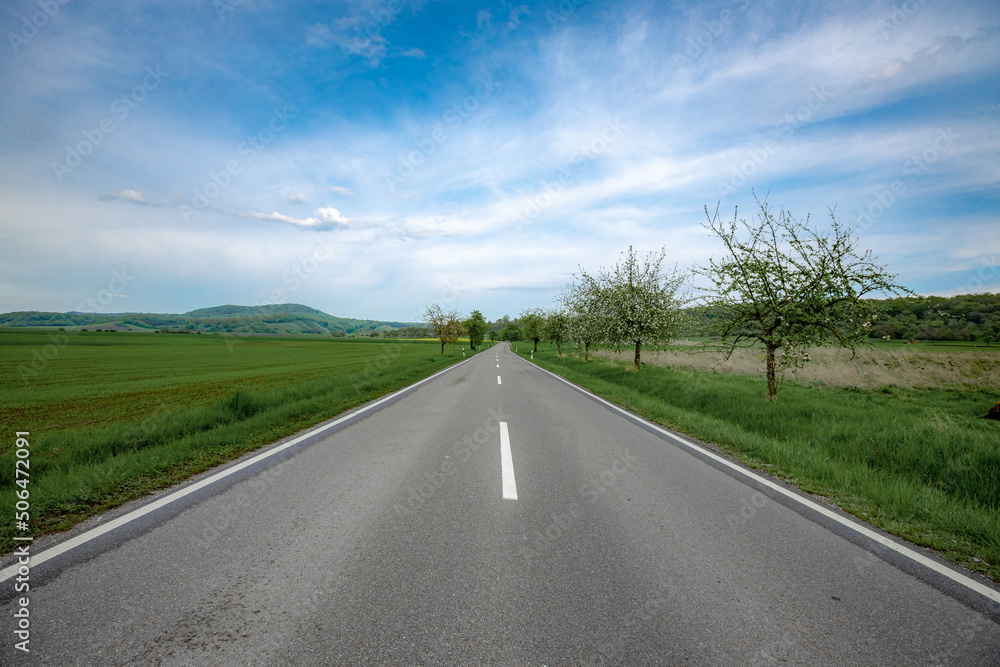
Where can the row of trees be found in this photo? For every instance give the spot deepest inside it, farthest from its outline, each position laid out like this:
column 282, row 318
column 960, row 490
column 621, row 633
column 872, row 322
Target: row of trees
column 782, row 285
column 447, row 326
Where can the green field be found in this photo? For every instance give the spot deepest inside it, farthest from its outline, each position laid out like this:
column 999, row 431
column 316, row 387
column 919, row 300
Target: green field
column 918, row 462
column 113, row 416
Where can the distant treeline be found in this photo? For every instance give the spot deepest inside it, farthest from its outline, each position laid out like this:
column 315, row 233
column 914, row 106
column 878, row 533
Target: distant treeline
column 972, row 317
column 271, row 319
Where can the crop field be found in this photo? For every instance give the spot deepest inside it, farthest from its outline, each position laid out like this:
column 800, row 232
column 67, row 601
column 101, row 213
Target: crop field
column 115, row 415
column 906, row 449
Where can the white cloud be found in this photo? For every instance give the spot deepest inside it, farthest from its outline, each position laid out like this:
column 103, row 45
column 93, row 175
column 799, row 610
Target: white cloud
column 326, row 218
column 134, row 197
column 274, row 216
column 330, row 214
column 296, row 198
column 342, row 190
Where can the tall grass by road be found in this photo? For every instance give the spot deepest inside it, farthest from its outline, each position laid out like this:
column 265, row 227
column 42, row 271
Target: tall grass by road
column 920, row 463
column 876, row 367
column 113, row 416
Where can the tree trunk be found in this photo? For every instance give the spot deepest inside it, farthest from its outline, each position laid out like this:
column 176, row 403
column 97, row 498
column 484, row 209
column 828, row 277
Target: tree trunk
column 442, row 347
column 638, row 346
column 586, row 352
column 536, row 345
column 559, row 347
column 772, row 379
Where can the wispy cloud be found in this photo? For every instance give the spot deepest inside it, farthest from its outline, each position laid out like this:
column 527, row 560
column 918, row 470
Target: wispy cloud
column 133, row 197
column 363, row 36
column 326, row 218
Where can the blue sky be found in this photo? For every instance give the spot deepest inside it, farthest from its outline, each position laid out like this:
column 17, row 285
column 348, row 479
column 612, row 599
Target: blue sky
column 371, row 158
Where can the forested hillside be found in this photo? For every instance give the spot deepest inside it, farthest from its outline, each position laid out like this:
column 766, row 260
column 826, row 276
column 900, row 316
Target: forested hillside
column 972, row 317
column 270, row 319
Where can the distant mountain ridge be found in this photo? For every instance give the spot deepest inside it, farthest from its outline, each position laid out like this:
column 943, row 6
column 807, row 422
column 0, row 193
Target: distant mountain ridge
column 288, row 318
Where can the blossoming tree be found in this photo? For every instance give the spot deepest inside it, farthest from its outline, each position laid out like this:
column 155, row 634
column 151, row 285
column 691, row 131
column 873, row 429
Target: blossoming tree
column 638, row 302
column 789, row 287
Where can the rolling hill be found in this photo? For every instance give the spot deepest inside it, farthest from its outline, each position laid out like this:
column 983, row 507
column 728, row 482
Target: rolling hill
column 280, row 319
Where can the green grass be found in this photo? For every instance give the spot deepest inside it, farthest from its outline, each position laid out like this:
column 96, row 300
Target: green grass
column 919, row 463
column 113, row 416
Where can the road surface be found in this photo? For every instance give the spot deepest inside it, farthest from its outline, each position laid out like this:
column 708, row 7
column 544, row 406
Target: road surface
column 493, row 515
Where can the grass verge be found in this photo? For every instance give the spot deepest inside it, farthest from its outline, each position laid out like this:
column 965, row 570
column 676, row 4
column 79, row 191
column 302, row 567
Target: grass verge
column 919, row 463
column 114, row 416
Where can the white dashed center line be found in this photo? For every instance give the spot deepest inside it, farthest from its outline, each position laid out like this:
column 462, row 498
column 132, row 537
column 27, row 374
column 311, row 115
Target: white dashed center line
column 507, row 464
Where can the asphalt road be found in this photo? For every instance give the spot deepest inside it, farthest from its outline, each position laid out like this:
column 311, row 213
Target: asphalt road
column 388, row 539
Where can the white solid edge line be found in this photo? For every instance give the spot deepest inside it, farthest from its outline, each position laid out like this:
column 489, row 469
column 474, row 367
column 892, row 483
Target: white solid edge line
column 507, row 464
column 94, row 533
column 957, row 577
